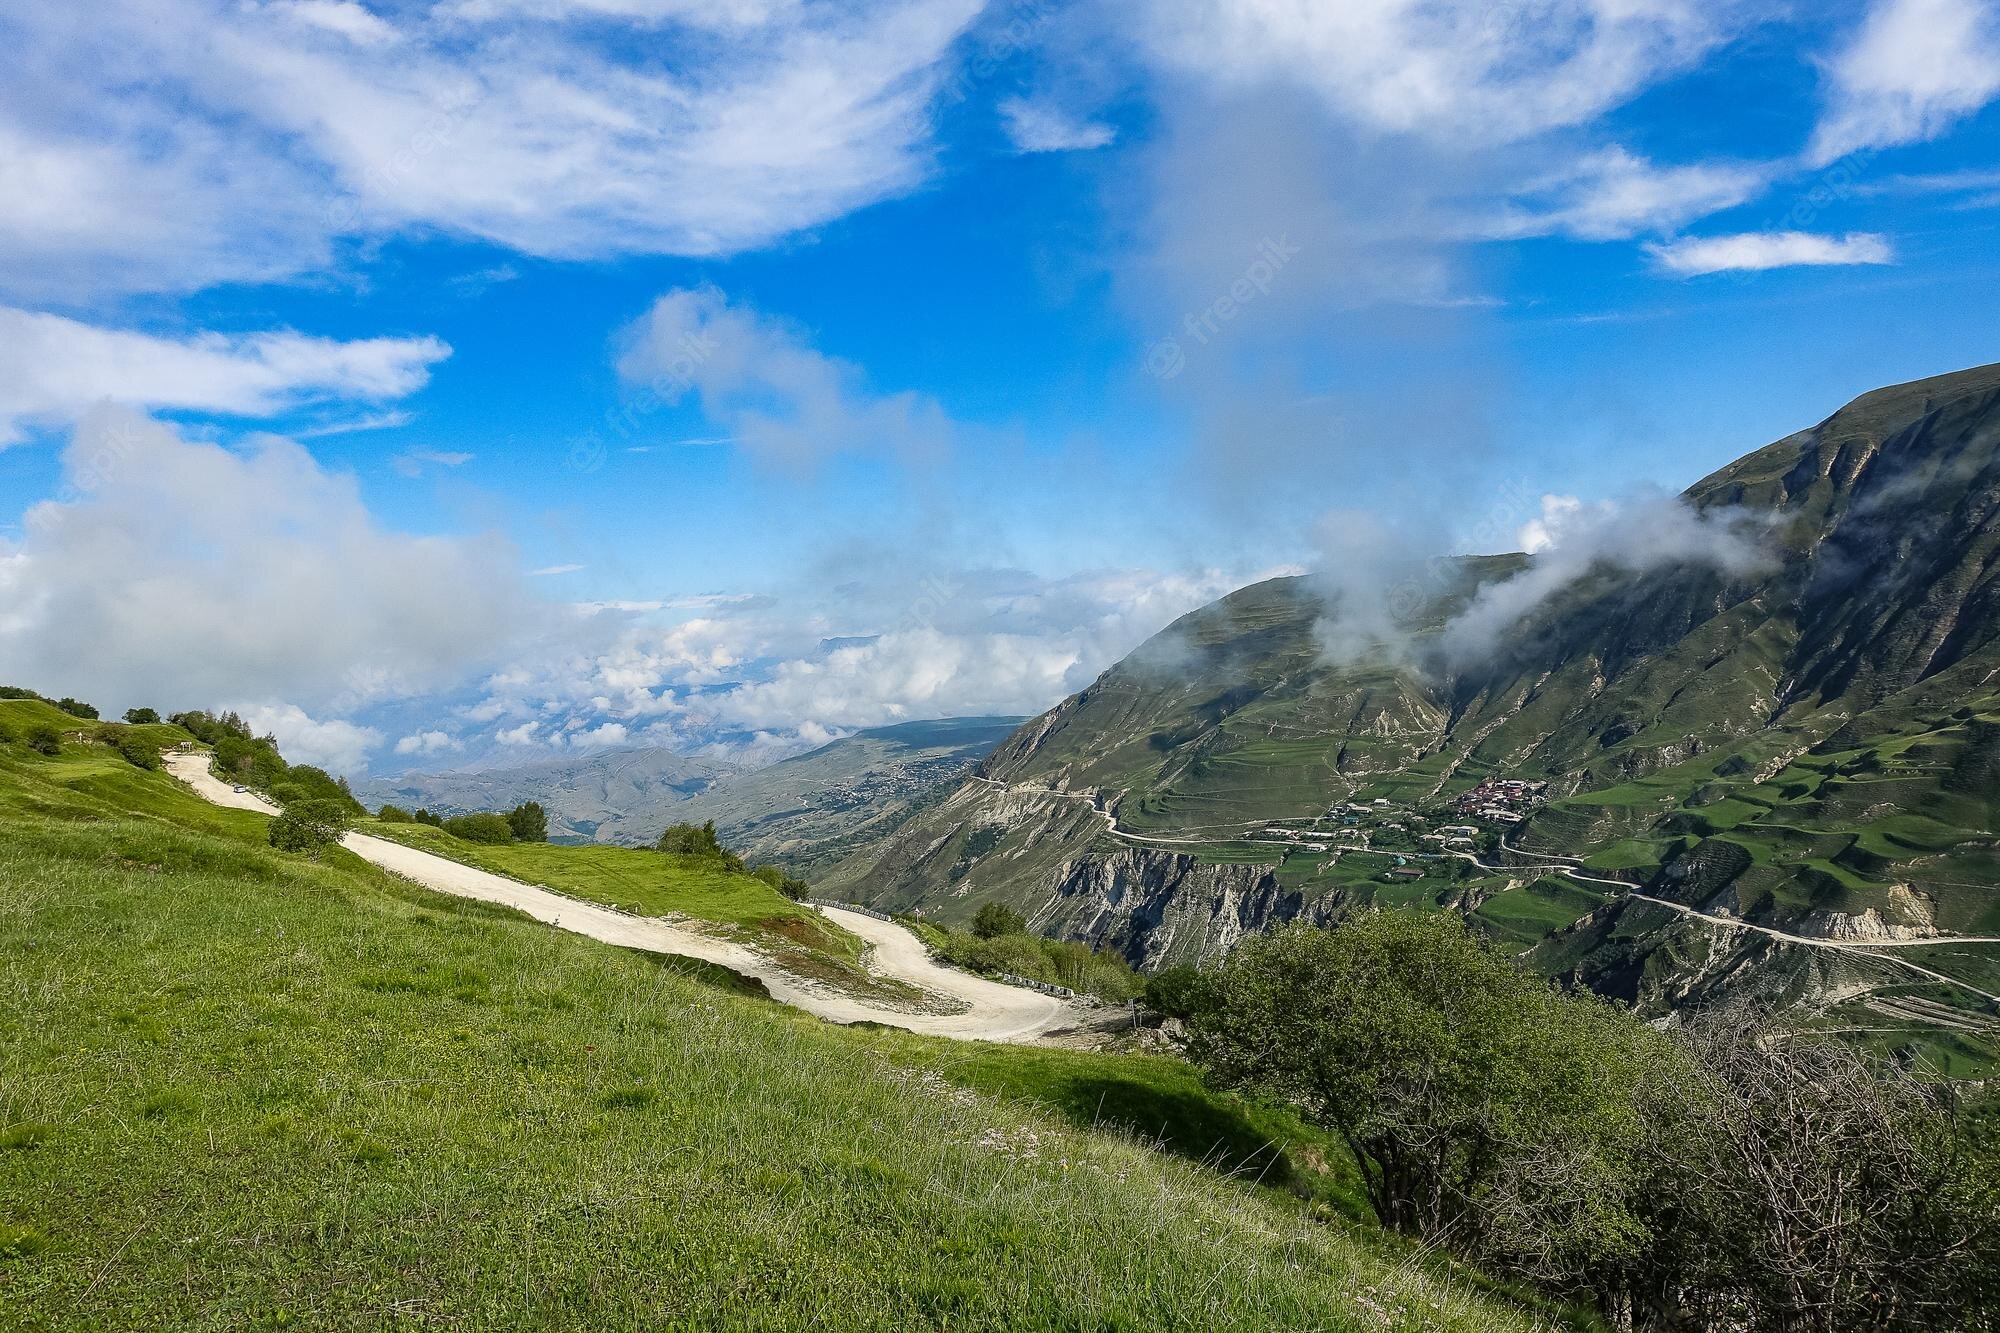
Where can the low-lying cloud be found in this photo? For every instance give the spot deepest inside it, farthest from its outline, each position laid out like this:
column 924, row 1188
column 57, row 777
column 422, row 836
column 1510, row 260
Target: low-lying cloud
column 1572, row 541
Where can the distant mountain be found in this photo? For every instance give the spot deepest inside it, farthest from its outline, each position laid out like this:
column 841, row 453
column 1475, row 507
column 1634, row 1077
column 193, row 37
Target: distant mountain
column 1806, row 742
column 601, row 797
column 806, row 811
column 811, row 810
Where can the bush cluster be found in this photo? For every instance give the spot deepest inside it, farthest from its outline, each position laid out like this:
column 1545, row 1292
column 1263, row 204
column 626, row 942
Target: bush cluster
column 1728, row 1174
column 1000, row 941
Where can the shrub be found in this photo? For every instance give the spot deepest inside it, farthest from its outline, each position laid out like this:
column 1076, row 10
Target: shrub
column 141, row 717
column 395, row 814
column 1486, row 1110
column 997, row 919
column 310, row 826
column 6, row 734
column 45, row 740
column 77, row 708
column 775, row 876
column 135, row 750
column 18, row 692
column 423, row 816
column 698, row 840
column 1180, row 991
column 486, row 828
column 529, row 822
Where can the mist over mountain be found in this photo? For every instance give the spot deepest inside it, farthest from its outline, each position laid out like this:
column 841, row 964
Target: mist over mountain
column 1769, row 699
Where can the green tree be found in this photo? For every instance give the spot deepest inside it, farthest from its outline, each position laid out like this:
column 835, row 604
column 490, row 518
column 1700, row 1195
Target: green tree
column 77, row 708
column 310, row 826
column 1178, row 992
column 690, row 840
column 486, row 828
column 141, row 717
column 529, row 821
column 45, row 740
column 1486, row 1110
column 423, row 816
column 997, row 919
column 395, row 814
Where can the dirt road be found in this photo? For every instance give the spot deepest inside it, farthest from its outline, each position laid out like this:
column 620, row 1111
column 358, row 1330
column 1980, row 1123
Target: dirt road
column 995, row 1012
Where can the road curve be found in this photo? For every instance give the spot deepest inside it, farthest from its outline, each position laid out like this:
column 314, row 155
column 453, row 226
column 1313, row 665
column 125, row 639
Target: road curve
column 995, row 1012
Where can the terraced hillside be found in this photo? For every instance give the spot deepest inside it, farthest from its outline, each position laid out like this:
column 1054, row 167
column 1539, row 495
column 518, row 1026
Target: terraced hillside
column 249, row 1089
column 1803, row 740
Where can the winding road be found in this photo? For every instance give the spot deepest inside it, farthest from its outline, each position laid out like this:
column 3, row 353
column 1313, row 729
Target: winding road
column 1569, row 867
column 993, row 1012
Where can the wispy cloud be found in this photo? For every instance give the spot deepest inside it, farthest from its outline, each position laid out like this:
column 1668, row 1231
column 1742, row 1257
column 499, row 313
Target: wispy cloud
column 550, row 571
column 55, row 368
column 355, row 425
column 416, row 462
column 560, row 130
column 1756, row 251
column 1913, row 69
column 680, row 444
column 1042, row 127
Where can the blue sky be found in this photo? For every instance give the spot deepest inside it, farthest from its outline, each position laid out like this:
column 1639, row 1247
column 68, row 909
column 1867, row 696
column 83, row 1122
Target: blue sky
column 483, row 379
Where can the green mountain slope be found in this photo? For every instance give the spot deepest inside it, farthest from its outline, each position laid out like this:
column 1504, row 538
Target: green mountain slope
column 245, row 1089
column 1804, row 742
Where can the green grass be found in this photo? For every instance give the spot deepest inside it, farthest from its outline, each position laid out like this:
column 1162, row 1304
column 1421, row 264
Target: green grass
column 243, row 1090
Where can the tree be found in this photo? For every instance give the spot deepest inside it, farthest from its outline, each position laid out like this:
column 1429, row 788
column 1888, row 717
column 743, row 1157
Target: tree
column 997, row 919
column 310, row 826
column 1486, row 1110
column 45, row 740
column 529, row 821
column 1178, row 992
column 395, row 814
column 77, row 708
column 486, row 828
column 1797, row 1184
column 135, row 750
column 423, row 816
column 690, row 840
column 141, row 717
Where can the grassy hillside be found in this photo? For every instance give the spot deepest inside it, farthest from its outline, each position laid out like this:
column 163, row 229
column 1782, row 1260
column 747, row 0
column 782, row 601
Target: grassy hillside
column 240, row 1089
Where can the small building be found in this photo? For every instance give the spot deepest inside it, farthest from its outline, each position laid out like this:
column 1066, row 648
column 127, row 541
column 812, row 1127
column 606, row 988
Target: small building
column 1403, row 872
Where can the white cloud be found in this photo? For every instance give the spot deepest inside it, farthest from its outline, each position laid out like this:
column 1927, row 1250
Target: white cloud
column 339, row 747
column 205, row 140
column 181, row 574
column 1756, row 251
column 1040, row 127
column 1913, row 69
column 415, row 462
column 1572, row 540
column 426, row 743
column 1464, row 69
column 550, row 571
column 1614, row 195
column 761, row 379
column 521, row 735
column 55, row 368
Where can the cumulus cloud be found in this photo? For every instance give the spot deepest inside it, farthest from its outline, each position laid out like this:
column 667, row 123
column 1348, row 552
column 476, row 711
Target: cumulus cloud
column 178, row 573
column 1914, row 68
column 54, row 368
column 772, row 675
column 339, row 747
column 427, row 743
column 1691, row 256
column 205, row 140
column 1042, row 127
column 760, row 378
column 1572, row 540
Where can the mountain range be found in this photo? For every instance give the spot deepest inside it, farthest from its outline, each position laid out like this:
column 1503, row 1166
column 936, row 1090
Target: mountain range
column 805, row 812
column 1771, row 703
